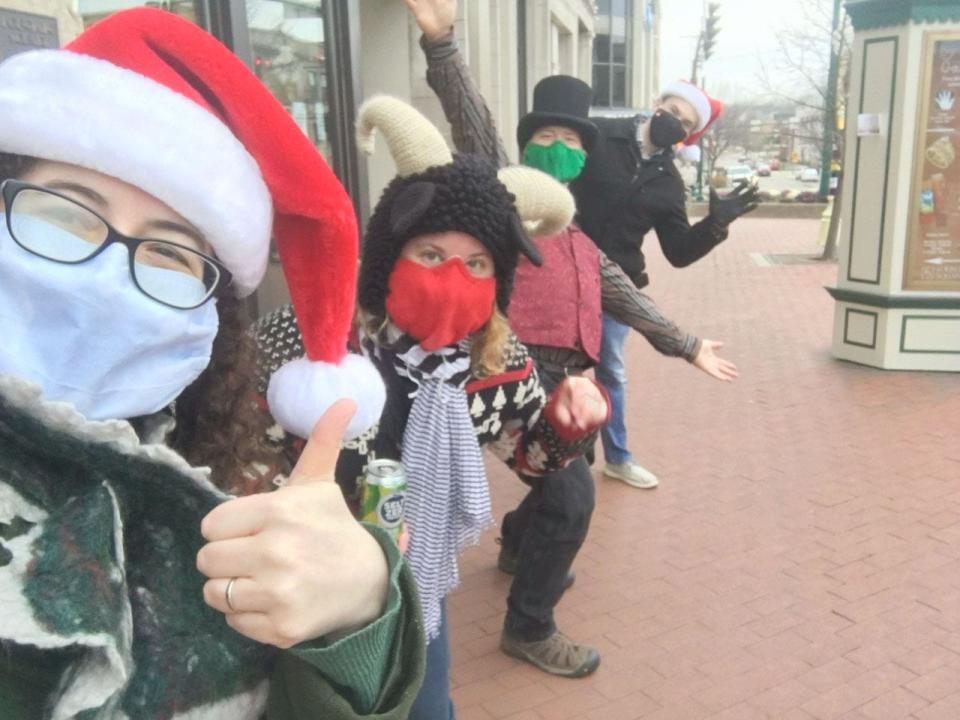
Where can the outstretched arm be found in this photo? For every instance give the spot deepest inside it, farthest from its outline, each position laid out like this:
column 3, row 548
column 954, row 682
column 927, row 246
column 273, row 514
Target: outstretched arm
column 684, row 244
column 622, row 300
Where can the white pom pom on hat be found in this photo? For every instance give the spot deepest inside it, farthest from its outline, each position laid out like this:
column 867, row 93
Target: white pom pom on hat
column 301, row 390
column 689, row 153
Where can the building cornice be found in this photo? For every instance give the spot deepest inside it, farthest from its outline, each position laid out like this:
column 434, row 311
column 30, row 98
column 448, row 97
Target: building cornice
column 869, row 14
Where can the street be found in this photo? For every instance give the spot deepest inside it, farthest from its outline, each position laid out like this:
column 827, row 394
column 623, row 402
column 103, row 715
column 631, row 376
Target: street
column 777, row 182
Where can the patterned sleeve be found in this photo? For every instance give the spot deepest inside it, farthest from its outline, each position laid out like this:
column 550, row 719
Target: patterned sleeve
column 511, row 414
column 278, row 342
column 622, row 300
column 471, row 121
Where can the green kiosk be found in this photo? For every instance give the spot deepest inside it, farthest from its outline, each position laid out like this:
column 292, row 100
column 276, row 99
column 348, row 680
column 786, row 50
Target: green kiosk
column 898, row 288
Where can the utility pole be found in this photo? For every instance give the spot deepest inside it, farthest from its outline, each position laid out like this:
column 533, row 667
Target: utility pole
column 830, row 108
column 705, row 45
column 696, row 59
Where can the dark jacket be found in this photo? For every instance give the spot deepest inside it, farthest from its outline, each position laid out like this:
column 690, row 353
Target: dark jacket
column 621, row 197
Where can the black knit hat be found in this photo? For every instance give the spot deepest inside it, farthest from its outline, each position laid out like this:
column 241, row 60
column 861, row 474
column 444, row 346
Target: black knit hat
column 464, row 195
column 560, row 100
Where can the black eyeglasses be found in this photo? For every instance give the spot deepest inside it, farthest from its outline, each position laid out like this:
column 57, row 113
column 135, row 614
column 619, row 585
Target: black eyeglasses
column 53, row 226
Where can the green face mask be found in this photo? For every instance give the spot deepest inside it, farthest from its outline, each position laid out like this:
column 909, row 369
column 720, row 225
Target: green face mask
column 562, row 162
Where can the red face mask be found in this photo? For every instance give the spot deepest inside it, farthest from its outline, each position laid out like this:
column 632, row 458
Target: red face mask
column 438, row 305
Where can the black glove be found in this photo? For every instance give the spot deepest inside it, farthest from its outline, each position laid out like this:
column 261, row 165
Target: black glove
column 741, row 200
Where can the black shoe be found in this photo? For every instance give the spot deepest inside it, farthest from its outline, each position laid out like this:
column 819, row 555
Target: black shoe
column 507, row 563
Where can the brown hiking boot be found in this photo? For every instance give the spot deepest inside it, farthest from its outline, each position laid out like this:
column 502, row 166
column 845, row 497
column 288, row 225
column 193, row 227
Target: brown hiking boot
column 557, row 654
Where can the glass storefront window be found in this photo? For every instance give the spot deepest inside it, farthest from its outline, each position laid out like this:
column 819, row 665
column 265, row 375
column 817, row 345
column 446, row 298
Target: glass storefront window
column 601, row 85
column 601, row 48
column 93, row 10
column 619, row 86
column 611, row 56
column 620, row 50
column 290, row 57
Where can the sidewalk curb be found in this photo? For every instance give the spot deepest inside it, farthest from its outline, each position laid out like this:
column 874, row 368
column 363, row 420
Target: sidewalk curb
column 806, row 211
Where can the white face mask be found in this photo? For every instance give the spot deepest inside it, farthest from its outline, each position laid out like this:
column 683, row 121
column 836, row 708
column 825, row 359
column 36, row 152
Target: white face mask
column 89, row 337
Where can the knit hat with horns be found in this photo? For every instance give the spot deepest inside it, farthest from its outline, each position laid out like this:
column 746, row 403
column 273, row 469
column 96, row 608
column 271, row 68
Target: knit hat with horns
column 436, row 192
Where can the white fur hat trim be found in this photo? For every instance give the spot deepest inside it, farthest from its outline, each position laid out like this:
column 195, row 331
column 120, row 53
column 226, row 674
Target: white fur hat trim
column 693, row 95
column 73, row 108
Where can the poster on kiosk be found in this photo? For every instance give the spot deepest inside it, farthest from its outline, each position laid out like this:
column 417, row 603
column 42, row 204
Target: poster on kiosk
column 933, row 244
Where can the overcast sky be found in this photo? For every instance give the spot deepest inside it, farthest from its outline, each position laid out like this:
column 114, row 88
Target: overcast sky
column 748, row 30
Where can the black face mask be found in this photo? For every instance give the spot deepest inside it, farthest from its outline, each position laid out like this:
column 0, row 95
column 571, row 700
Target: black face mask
column 665, row 130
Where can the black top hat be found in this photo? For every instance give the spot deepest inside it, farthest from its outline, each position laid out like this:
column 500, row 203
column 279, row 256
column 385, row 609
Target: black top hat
column 560, row 100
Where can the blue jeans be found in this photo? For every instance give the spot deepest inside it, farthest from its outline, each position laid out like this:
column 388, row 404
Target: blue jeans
column 612, row 375
column 433, row 701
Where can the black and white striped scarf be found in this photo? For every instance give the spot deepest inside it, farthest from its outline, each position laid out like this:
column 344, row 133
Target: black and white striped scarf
column 448, row 498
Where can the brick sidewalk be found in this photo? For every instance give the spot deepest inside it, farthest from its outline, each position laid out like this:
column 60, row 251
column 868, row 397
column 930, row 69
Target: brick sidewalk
column 800, row 558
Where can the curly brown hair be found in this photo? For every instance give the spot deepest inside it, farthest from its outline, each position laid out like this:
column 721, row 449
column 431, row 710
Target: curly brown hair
column 218, row 420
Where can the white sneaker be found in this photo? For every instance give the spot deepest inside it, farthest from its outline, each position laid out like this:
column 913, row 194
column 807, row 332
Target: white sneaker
column 632, row 474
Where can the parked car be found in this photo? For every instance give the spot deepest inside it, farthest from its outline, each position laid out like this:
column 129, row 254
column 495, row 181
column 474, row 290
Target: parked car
column 739, row 173
column 810, row 175
column 774, row 163
column 763, row 170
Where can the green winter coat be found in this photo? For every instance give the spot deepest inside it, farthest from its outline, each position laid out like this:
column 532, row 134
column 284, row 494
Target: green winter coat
column 101, row 609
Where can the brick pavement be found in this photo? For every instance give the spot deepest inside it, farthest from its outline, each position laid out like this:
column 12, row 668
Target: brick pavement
column 801, row 558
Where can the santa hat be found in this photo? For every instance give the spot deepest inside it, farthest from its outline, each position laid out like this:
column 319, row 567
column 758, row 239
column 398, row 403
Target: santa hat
column 151, row 99
column 707, row 108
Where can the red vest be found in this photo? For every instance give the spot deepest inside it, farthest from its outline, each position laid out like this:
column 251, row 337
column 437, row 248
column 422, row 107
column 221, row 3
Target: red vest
column 558, row 304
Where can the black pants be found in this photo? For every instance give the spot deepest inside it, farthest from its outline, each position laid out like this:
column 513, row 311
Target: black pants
column 546, row 531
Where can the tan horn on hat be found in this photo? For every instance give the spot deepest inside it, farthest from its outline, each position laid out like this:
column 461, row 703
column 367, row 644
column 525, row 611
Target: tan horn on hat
column 545, row 205
column 414, row 142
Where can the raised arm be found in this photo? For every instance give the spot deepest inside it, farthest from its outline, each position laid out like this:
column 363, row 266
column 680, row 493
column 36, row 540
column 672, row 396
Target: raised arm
column 471, row 121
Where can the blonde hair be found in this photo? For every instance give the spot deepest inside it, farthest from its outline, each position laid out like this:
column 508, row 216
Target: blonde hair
column 488, row 356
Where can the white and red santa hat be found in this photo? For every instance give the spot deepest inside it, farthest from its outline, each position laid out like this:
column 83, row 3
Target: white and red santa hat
column 152, row 99
column 707, row 108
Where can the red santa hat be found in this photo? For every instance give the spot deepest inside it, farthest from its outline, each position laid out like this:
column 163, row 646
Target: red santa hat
column 152, row 99
column 707, row 108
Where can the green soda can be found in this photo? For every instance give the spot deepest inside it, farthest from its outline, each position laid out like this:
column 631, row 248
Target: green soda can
column 384, row 489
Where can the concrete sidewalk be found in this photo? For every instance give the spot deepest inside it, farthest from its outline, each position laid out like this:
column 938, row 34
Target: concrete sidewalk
column 800, row 558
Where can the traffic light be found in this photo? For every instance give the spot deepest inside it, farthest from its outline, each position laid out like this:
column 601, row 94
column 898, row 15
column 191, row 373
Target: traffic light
column 711, row 26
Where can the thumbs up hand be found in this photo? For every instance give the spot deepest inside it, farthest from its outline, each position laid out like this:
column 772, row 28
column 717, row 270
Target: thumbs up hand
column 293, row 565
